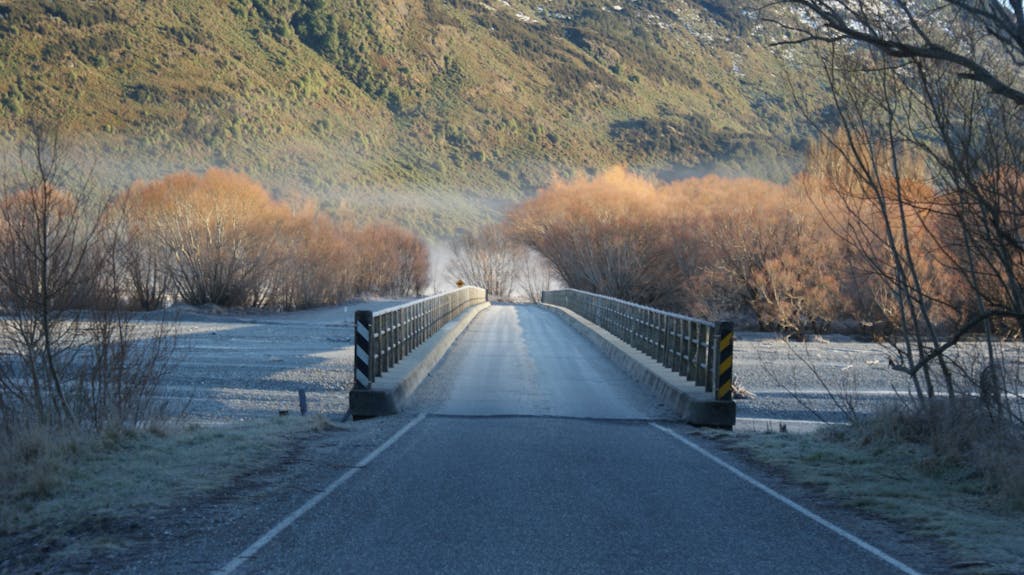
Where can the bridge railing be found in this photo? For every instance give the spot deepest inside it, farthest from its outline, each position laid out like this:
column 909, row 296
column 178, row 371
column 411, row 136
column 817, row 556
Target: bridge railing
column 697, row 349
column 386, row 336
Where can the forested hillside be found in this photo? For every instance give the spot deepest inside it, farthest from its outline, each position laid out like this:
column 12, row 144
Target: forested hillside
column 425, row 111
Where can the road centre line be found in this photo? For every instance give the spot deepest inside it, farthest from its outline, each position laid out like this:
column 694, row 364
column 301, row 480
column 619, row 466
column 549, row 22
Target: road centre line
column 313, row 501
column 792, row 504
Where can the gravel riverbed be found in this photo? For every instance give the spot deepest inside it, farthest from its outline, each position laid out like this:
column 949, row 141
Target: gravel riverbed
column 235, row 365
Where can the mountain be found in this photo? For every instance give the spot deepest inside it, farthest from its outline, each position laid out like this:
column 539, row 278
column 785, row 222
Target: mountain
column 431, row 112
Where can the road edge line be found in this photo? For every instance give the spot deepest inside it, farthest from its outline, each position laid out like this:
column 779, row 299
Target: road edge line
column 878, row 553
column 312, row 502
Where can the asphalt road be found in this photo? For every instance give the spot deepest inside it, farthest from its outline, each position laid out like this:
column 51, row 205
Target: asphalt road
column 535, row 455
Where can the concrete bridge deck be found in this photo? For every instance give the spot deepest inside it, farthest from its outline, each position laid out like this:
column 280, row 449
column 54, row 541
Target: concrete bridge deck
column 524, row 360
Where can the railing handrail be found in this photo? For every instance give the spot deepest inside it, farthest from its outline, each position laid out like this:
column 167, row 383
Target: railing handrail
column 420, row 300
column 384, row 337
column 698, row 349
column 638, row 306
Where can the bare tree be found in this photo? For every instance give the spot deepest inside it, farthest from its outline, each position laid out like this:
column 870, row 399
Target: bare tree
column 943, row 80
column 45, row 246
column 488, row 258
column 537, row 276
column 141, row 262
column 63, row 366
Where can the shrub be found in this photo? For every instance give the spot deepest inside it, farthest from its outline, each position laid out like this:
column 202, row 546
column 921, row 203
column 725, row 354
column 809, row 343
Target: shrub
column 490, row 259
column 391, row 260
column 721, row 247
column 219, row 231
column 963, row 440
column 65, row 367
column 610, row 234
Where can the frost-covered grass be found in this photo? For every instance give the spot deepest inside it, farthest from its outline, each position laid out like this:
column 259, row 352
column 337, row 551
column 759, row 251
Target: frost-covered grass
column 942, row 500
column 56, row 486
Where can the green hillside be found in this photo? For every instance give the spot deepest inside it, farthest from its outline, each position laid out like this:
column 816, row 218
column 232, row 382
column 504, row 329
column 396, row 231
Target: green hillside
column 427, row 111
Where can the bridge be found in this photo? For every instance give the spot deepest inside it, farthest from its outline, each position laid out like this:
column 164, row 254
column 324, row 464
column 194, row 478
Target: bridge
column 571, row 350
column 534, row 439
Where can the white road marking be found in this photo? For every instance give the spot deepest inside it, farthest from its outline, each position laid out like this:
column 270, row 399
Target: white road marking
column 313, row 501
column 792, row 504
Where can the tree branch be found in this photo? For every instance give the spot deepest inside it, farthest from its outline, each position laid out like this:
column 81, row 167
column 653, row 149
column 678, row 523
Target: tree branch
column 848, row 24
column 954, row 340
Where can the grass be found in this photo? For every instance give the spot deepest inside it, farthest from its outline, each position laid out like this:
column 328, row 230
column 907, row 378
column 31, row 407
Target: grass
column 58, row 492
column 352, row 100
column 940, row 500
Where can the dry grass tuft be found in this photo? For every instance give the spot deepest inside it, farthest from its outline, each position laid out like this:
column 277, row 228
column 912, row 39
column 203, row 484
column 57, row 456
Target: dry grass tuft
column 932, row 474
column 320, row 422
column 30, row 465
column 964, row 441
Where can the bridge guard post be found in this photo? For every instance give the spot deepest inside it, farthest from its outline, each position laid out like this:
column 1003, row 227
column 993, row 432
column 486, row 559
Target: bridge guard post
column 723, row 363
column 364, row 349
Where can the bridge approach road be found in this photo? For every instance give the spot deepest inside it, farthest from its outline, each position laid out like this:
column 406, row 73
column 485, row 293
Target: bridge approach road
column 534, row 454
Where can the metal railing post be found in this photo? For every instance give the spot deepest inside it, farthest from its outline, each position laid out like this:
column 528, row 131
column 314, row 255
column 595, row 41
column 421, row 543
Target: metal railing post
column 692, row 349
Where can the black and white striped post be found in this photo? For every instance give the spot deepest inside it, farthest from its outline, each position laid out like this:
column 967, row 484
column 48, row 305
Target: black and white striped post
column 364, row 349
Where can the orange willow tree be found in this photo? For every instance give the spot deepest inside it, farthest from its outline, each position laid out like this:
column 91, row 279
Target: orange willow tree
column 315, row 264
column 611, row 234
column 390, row 260
column 760, row 247
column 722, row 247
column 217, row 234
column 219, row 237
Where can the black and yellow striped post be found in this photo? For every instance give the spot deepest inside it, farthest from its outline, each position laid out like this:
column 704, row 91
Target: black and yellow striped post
column 724, row 337
column 364, row 349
